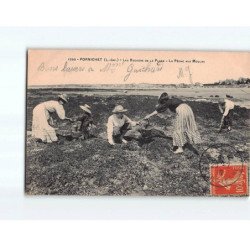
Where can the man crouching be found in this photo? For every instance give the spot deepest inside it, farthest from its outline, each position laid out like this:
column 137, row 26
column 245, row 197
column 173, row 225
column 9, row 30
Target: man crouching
column 118, row 124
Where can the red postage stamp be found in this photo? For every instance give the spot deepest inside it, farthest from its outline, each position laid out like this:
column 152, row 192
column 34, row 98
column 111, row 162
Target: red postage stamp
column 229, row 179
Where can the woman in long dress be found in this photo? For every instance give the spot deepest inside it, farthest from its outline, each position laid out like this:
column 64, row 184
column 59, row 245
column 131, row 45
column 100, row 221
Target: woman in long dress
column 42, row 120
column 185, row 128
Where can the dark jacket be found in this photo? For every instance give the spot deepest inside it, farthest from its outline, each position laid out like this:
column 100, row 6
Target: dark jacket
column 86, row 120
column 171, row 104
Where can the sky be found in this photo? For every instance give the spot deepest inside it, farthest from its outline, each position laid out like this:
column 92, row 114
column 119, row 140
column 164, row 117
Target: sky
column 50, row 67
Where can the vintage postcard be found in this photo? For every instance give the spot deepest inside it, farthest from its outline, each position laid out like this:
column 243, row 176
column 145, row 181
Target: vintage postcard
column 145, row 123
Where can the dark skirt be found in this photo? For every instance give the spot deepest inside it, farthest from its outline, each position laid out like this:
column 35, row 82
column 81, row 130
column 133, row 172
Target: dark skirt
column 228, row 120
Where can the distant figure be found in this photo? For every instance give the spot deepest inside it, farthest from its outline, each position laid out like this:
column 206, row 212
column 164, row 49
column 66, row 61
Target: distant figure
column 226, row 108
column 185, row 128
column 118, row 124
column 42, row 121
column 85, row 122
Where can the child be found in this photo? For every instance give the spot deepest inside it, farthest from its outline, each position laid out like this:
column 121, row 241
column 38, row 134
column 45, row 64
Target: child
column 85, row 122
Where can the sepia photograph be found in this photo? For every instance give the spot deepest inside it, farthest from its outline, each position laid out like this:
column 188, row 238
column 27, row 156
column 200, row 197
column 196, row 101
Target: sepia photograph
column 137, row 123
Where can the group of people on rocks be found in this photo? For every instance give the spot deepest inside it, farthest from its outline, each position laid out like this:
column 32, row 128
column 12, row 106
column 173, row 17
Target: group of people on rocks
column 120, row 125
column 42, row 122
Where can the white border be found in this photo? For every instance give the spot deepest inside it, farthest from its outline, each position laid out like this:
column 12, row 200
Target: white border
column 124, row 13
column 13, row 45
column 122, row 235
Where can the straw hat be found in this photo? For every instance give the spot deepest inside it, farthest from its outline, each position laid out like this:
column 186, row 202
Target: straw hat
column 86, row 108
column 63, row 97
column 119, row 109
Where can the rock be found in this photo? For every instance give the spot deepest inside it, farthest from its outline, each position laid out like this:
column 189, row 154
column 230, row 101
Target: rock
column 92, row 167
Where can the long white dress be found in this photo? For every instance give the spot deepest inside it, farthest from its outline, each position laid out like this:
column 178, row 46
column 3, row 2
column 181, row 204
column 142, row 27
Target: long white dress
column 41, row 115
